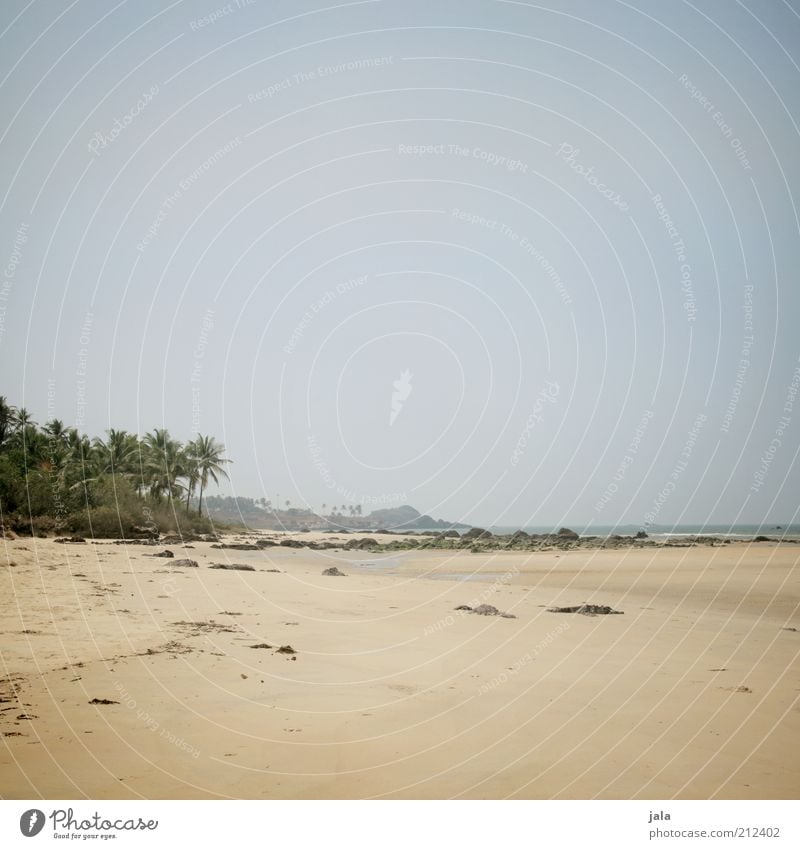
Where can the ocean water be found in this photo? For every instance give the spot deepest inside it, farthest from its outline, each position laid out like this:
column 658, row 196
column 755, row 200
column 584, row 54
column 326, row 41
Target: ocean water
column 773, row 531
column 776, row 530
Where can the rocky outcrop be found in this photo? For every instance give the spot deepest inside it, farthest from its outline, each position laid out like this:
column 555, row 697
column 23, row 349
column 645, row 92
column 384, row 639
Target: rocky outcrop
column 179, row 539
column 586, row 610
column 362, row 544
column 485, row 610
column 476, row 533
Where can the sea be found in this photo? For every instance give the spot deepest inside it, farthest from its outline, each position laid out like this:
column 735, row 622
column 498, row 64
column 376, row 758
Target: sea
column 774, row 531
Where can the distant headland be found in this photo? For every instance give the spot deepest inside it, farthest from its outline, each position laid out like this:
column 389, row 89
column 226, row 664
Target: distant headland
column 260, row 514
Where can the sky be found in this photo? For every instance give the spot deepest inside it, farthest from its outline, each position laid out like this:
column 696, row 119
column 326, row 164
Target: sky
column 512, row 263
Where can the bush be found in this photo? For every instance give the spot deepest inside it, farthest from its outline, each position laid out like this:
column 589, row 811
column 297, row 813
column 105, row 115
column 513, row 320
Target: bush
column 12, row 486
column 100, row 522
column 117, row 492
column 43, row 526
column 173, row 519
column 130, row 515
column 37, row 526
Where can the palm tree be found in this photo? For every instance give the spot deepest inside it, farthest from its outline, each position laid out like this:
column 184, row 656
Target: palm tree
column 191, row 473
column 32, row 442
column 56, row 430
column 117, row 454
column 162, row 463
column 207, row 454
column 6, row 419
column 79, row 447
column 21, row 418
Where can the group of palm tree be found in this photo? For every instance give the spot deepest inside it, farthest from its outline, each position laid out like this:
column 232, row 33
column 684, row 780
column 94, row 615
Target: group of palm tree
column 159, row 467
column 353, row 509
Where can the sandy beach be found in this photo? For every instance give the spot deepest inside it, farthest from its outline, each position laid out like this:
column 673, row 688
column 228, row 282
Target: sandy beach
column 383, row 689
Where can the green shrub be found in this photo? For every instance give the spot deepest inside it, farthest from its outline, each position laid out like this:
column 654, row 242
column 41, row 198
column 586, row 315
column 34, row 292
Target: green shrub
column 43, row 526
column 173, row 519
column 105, row 521
column 117, row 492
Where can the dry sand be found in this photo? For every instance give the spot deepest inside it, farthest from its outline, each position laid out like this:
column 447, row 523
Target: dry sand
column 693, row 693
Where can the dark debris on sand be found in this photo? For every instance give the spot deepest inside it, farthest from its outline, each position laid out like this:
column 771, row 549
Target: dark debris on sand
column 234, row 567
column 586, row 610
column 210, row 627
column 335, row 572
column 486, row 610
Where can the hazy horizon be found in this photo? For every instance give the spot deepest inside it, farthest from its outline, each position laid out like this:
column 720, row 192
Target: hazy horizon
column 512, row 265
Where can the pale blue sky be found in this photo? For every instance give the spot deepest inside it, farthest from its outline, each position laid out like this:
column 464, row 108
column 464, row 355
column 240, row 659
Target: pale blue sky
column 271, row 156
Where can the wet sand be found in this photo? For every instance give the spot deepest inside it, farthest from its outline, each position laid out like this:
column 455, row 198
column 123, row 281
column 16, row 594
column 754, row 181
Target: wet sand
column 693, row 693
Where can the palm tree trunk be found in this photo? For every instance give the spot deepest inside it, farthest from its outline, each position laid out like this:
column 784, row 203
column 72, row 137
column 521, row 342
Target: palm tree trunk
column 200, row 503
column 188, row 496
